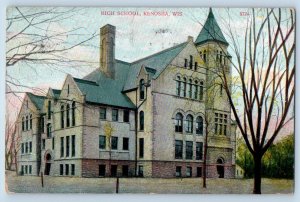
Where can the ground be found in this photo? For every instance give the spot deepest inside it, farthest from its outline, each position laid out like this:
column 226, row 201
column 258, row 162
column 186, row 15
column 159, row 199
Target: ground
column 24, row 184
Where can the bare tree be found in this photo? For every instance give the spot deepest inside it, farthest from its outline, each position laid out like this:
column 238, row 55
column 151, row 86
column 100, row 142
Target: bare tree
column 266, row 69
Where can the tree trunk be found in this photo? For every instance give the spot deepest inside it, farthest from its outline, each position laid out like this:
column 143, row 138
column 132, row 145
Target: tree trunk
column 257, row 174
column 205, row 160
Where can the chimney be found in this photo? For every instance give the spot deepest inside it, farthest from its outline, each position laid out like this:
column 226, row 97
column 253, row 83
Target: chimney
column 107, row 50
column 190, row 39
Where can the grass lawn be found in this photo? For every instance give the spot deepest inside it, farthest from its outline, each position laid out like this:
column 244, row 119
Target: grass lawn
column 32, row 184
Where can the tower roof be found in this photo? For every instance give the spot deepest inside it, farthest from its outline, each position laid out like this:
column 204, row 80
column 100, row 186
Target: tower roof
column 211, row 31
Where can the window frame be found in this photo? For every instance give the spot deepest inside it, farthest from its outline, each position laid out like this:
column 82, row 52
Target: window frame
column 114, row 143
column 115, row 115
column 102, row 113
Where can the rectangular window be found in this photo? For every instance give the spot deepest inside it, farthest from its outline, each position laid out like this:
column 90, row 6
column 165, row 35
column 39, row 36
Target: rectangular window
column 26, row 147
column 29, row 169
column 102, row 113
column 30, row 147
column 72, row 169
column 102, row 142
column 67, row 169
column 191, row 62
column 196, row 66
column 49, row 109
column 199, row 171
column 43, row 143
column 22, row 148
column 73, row 145
column 126, row 116
column 114, row 143
column 125, row 170
column 114, row 169
column 67, row 146
column 125, row 143
column 61, row 169
column 141, row 148
column 189, row 150
column 189, row 171
column 22, row 169
column 26, row 169
column 42, row 124
column 178, row 149
column 53, row 143
column 220, row 124
column 141, row 171
column 178, row 171
column 185, row 62
column 199, row 150
column 102, row 170
column 61, row 146
column 115, row 114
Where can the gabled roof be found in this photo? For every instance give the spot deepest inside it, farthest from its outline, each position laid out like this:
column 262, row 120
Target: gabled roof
column 210, row 31
column 37, row 100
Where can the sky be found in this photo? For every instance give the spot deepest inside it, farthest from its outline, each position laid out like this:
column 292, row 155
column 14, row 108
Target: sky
column 137, row 36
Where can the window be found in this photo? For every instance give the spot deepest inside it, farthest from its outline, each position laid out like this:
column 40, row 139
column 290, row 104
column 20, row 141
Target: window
column 142, row 89
column 73, row 145
column 62, row 114
column 199, row 125
column 73, row 113
column 26, row 169
column 114, row 143
column 190, row 88
column 196, row 90
column 221, row 124
column 126, row 115
column 22, row 148
column 189, row 150
column 204, row 55
column 49, row 109
column 113, row 170
column 199, row 171
column 61, row 169
column 178, row 122
column 30, row 147
column 102, row 170
column 43, row 143
column 221, row 89
column 23, row 124
column 102, row 142
column 68, row 115
column 72, row 169
column 115, row 115
column 141, row 120
column 30, row 122
column 125, row 170
column 185, row 62
column 141, row 147
column 178, row 171
column 189, row 171
column 196, row 66
column 191, row 62
column 61, row 146
column 178, row 149
column 22, row 169
column 102, row 113
column 29, row 169
column 42, row 124
column 27, row 122
column 201, row 91
column 26, row 147
column 125, row 143
column 53, row 143
column 67, row 169
column 67, row 146
column 189, row 124
column 184, row 87
column 199, row 150
column 141, row 171
column 49, row 128
column 68, row 89
column 178, row 83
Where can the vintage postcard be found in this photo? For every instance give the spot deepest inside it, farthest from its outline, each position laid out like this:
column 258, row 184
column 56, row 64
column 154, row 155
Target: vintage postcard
column 150, row 100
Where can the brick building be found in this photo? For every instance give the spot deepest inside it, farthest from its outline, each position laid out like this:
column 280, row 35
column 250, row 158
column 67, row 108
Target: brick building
column 146, row 118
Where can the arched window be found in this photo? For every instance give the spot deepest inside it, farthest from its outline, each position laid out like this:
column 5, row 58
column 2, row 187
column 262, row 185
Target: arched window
column 191, row 62
column 30, row 122
column 68, row 115
column 201, row 90
column 49, row 128
column 178, row 122
column 196, row 66
column 178, row 83
column 199, row 125
column 221, row 89
column 189, row 123
column 204, row 55
column 184, row 87
column 196, row 90
column 23, row 123
column 73, row 113
column 62, row 116
column 141, row 120
column 142, row 89
column 27, row 122
column 190, row 88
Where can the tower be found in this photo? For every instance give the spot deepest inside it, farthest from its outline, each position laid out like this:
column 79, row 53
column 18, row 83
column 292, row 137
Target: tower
column 107, row 50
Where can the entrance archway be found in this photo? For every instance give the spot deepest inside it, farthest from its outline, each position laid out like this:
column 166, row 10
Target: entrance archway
column 220, row 167
column 48, row 158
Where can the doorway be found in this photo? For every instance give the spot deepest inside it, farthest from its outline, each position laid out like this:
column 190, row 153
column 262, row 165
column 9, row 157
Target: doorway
column 220, row 168
column 47, row 164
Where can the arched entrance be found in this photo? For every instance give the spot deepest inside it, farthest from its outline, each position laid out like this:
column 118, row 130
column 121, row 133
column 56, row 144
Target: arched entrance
column 220, row 167
column 48, row 158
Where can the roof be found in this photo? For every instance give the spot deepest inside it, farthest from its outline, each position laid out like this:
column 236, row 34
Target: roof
column 103, row 90
column 56, row 93
column 37, row 100
column 210, row 31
